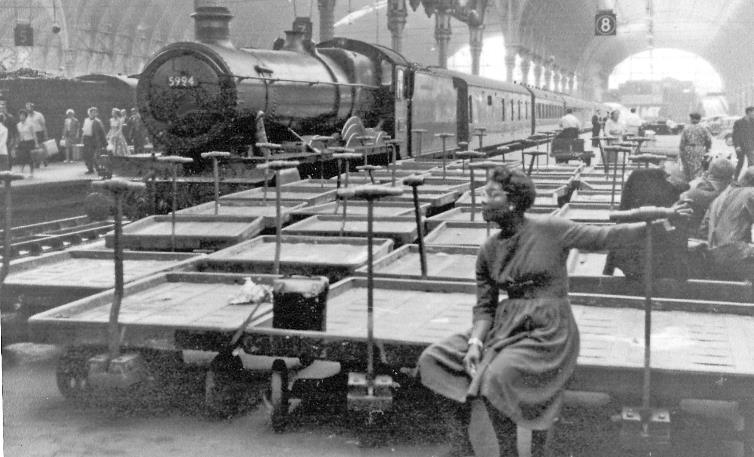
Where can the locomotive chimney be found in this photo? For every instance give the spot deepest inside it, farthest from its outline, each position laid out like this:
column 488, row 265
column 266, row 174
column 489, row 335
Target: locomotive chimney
column 294, row 41
column 212, row 23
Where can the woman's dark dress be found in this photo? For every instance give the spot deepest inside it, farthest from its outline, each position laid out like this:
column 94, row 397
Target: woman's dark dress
column 531, row 350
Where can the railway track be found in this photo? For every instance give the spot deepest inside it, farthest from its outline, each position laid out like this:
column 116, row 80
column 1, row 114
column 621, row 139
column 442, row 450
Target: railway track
column 36, row 239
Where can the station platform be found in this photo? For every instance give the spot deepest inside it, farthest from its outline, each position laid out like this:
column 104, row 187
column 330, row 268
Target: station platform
column 54, row 172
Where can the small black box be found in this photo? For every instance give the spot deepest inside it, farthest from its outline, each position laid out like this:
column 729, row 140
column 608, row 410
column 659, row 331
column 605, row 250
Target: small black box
column 300, row 303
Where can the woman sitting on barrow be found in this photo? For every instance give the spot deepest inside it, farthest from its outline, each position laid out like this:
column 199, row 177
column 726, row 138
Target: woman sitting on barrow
column 520, row 352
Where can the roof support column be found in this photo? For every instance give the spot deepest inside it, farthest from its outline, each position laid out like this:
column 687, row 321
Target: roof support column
column 525, row 65
column 442, row 36
column 510, row 61
column 549, row 64
column 537, row 64
column 70, row 62
column 556, row 77
column 396, row 22
column 476, row 41
column 326, row 19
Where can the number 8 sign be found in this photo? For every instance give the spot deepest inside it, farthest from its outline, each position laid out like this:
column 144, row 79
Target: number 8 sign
column 604, row 23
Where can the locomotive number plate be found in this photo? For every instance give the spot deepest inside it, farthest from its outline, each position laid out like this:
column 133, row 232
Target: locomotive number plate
column 181, row 81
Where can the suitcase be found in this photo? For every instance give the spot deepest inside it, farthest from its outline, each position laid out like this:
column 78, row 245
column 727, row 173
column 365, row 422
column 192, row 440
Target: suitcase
column 300, row 303
column 50, row 147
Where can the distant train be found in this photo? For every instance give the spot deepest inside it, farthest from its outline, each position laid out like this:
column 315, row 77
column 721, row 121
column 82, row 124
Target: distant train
column 205, row 95
column 53, row 96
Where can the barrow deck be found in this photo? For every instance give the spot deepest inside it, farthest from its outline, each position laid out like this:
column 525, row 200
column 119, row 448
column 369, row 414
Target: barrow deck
column 457, row 233
column 246, row 209
column 444, row 263
column 308, row 195
column 334, row 257
column 54, row 279
column 192, row 232
column 713, row 344
column 359, row 208
column 585, row 212
column 401, row 229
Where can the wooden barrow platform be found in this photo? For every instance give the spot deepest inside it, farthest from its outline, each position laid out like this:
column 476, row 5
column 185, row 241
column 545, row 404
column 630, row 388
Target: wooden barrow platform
column 54, row 279
column 359, row 208
column 585, row 212
column 247, row 209
column 702, row 350
column 333, row 257
column 304, row 194
column 401, row 229
column 192, row 232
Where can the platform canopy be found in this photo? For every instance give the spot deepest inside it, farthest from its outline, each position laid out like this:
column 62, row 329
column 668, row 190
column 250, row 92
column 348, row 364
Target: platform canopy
column 117, row 36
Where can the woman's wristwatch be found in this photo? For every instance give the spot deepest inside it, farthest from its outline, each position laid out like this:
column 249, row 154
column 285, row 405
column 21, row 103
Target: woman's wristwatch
column 476, row 342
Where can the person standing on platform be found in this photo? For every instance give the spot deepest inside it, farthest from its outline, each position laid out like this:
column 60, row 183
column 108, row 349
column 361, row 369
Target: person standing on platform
column 137, row 131
column 596, row 127
column 633, row 123
column 126, row 126
column 570, row 124
column 728, row 225
column 614, row 127
column 696, row 141
column 70, row 134
column 10, row 124
column 27, row 141
column 743, row 140
column 94, row 138
column 520, row 352
column 115, row 139
column 39, row 123
column 4, row 156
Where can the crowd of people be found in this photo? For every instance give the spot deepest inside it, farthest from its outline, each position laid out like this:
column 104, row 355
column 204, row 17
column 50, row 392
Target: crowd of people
column 22, row 139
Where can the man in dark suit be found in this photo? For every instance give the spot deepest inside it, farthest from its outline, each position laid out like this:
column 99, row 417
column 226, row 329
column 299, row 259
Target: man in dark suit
column 94, row 138
column 743, row 139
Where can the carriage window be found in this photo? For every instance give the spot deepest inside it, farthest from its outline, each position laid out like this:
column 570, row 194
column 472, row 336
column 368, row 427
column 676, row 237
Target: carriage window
column 387, row 73
column 519, row 110
column 526, row 110
column 503, row 109
column 399, row 88
column 513, row 112
column 489, row 100
column 471, row 111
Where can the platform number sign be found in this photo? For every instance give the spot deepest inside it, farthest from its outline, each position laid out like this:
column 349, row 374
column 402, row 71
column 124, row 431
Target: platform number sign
column 605, row 23
column 24, row 35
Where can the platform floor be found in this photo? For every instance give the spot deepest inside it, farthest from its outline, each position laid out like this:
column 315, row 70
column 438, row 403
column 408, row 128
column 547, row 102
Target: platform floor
column 54, row 172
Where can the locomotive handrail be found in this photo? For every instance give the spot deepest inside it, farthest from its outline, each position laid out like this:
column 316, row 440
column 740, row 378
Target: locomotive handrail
column 309, row 83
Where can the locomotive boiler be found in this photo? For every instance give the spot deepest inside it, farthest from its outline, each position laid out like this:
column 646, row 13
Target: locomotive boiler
column 194, row 96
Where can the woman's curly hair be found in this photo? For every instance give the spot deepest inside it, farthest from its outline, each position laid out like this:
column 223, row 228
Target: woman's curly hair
column 519, row 187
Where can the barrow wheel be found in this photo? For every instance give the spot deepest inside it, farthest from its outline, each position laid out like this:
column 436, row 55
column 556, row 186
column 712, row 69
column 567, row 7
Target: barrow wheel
column 71, row 374
column 279, row 396
column 227, row 387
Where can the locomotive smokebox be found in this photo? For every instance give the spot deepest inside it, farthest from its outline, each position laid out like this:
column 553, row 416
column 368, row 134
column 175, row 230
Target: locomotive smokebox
column 212, row 23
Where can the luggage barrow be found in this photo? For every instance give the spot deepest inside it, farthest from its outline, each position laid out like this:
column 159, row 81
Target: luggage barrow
column 645, row 428
column 113, row 370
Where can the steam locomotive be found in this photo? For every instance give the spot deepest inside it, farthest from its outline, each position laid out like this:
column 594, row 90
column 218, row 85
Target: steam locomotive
column 208, row 94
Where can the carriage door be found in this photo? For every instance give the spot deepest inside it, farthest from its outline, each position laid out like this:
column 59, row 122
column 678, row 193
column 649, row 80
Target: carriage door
column 401, row 127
